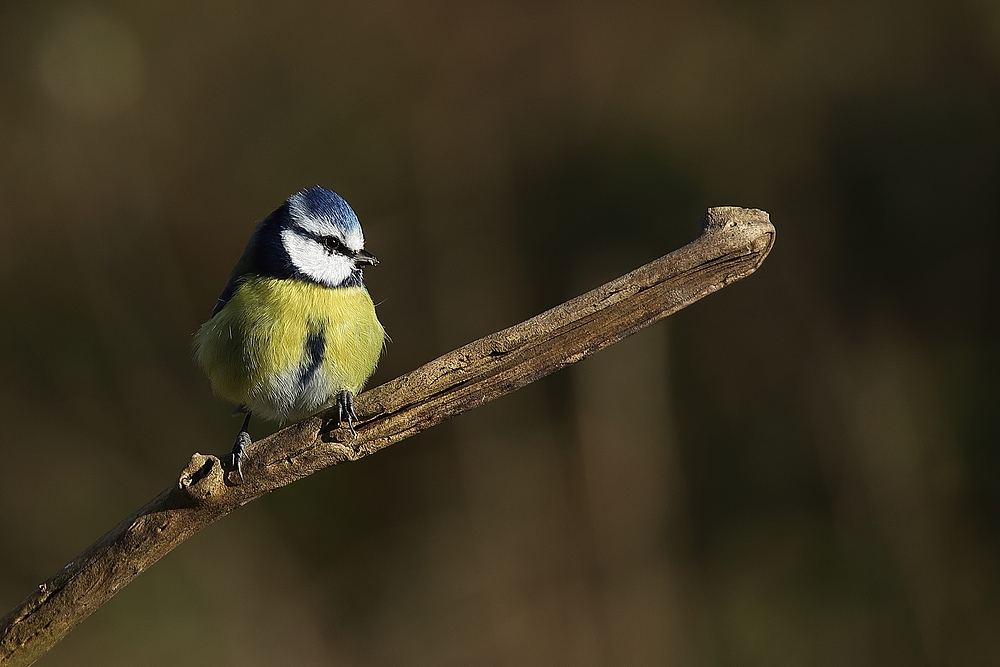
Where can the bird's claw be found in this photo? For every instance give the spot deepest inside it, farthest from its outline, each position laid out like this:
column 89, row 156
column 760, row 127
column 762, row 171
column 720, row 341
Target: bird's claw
column 239, row 451
column 240, row 447
column 345, row 409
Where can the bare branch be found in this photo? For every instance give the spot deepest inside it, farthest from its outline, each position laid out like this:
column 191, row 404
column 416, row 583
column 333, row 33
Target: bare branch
column 732, row 244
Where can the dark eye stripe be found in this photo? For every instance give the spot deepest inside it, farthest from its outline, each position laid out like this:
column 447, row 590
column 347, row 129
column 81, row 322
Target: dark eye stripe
column 331, row 243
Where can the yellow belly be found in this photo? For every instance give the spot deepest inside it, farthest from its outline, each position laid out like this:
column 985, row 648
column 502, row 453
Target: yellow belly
column 286, row 348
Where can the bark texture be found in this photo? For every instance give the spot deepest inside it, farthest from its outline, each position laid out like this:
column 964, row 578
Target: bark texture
column 733, row 243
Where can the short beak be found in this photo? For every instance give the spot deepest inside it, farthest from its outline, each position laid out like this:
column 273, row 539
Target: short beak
column 365, row 257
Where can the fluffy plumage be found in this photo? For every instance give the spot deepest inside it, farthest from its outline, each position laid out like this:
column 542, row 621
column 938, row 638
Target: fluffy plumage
column 285, row 348
column 295, row 327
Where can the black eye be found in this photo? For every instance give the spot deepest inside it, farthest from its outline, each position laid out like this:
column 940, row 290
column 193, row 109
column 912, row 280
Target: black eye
column 332, row 244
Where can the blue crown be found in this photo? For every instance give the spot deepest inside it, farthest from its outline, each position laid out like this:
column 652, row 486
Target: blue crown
column 319, row 203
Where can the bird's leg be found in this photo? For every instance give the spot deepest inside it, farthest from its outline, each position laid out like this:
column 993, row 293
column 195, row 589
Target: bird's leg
column 345, row 409
column 240, row 447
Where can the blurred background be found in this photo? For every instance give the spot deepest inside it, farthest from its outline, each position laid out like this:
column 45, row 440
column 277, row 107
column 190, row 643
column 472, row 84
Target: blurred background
column 799, row 470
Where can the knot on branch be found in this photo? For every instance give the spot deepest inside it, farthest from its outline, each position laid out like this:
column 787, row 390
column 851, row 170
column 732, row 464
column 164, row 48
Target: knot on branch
column 202, row 479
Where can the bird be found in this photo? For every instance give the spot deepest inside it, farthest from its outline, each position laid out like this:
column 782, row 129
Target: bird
column 294, row 330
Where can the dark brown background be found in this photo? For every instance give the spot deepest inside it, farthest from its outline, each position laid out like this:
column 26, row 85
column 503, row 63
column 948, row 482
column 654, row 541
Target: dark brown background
column 799, row 470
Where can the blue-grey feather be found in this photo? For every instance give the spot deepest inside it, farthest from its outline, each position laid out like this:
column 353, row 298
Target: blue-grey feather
column 323, row 204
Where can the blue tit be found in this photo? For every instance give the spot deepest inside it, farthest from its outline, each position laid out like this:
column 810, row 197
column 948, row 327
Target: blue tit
column 295, row 330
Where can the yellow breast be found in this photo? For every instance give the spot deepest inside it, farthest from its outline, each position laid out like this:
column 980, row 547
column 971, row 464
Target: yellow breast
column 285, row 348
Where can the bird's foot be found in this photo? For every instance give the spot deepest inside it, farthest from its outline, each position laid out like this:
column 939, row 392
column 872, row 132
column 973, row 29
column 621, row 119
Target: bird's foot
column 239, row 451
column 240, row 448
column 345, row 410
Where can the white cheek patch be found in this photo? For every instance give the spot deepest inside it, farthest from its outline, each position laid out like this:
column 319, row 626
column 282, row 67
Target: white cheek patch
column 354, row 240
column 312, row 259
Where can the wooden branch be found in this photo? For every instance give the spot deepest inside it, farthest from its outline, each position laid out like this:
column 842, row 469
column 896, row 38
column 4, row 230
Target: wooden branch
column 732, row 244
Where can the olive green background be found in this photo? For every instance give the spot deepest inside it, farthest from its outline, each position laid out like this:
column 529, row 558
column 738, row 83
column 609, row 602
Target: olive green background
column 799, row 470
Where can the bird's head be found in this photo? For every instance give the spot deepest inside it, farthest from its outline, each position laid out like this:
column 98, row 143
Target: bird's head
column 322, row 238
